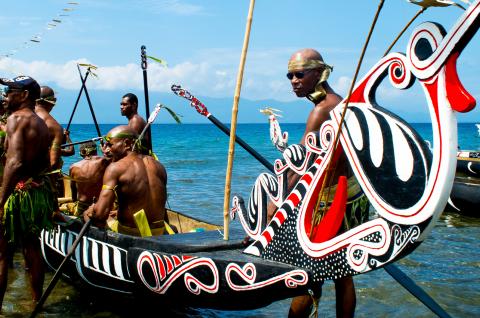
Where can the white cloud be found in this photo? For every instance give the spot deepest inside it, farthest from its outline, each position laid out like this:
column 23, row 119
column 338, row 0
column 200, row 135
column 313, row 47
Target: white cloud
column 204, row 75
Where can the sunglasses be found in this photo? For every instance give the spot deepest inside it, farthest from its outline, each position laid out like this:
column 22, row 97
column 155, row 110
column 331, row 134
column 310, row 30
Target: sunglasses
column 299, row 74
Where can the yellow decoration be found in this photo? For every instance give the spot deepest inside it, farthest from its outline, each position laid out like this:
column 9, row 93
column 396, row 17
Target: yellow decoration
column 142, row 223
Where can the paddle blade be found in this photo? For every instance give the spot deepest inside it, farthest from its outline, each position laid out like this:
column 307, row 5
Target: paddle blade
column 154, row 114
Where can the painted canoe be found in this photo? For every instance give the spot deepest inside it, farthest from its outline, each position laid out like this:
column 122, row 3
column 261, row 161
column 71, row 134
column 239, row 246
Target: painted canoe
column 407, row 184
column 197, row 268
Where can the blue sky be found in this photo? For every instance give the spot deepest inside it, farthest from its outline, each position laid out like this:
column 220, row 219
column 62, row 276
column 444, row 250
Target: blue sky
column 202, row 42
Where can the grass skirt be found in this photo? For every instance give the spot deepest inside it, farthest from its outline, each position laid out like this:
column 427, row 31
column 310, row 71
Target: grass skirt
column 29, row 209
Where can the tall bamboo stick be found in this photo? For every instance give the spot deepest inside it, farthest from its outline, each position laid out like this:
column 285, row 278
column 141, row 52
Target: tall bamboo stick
column 405, row 29
column 233, row 125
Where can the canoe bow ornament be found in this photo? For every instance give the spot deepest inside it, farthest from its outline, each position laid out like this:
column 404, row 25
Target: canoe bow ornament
column 407, row 184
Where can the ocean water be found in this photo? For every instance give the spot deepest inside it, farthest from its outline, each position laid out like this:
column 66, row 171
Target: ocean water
column 446, row 265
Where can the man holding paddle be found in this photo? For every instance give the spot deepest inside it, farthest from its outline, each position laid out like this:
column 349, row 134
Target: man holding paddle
column 25, row 184
column 139, row 184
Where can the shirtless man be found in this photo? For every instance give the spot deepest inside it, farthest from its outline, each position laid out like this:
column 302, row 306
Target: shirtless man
column 308, row 73
column 129, row 109
column 137, row 181
column 58, row 135
column 86, row 177
column 27, row 159
column 43, row 107
column 3, row 133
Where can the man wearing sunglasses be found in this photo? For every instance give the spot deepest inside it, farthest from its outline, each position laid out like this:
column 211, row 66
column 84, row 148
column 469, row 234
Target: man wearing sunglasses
column 139, row 184
column 26, row 197
column 308, row 76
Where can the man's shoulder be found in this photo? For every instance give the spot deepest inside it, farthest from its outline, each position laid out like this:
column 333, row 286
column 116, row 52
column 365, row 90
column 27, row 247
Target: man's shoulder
column 77, row 165
column 99, row 161
column 326, row 105
column 52, row 123
column 138, row 119
column 121, row 165
column 19, row 117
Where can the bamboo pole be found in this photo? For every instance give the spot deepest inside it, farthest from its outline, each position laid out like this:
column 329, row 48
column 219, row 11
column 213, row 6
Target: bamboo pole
column 329, row 175
column 233, row 124
column 405, row 29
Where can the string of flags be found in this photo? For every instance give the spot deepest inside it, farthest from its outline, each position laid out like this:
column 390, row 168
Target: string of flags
column 50, row 25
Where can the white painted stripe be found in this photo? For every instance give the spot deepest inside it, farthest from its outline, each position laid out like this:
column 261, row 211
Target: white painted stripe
column 117, row 262
column 106, row 259
column 86, row 244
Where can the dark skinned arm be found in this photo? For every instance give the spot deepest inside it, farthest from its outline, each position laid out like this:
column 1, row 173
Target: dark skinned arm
column 70, row 150
column 55, row 150
column 100, row 211
column 14, row 159
column 73, row 184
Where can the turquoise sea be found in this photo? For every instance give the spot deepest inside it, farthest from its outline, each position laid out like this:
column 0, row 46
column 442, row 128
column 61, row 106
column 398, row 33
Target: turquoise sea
column 446, row 265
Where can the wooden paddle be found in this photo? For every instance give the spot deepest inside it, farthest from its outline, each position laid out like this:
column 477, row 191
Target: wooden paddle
column 56, row 277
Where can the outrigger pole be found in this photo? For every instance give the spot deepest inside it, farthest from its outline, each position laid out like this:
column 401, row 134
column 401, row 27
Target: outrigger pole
column 143, row 55
column 233, row 124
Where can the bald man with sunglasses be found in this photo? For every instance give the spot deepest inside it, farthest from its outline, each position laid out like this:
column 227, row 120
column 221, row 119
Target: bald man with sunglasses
column 308, row 75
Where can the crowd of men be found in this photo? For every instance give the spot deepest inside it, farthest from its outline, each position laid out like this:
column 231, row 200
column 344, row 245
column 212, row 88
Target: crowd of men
column 115, row 187
column 123, row 185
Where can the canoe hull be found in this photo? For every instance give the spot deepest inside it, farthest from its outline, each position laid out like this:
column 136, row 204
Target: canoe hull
column 195, row 269
column 465, row 196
